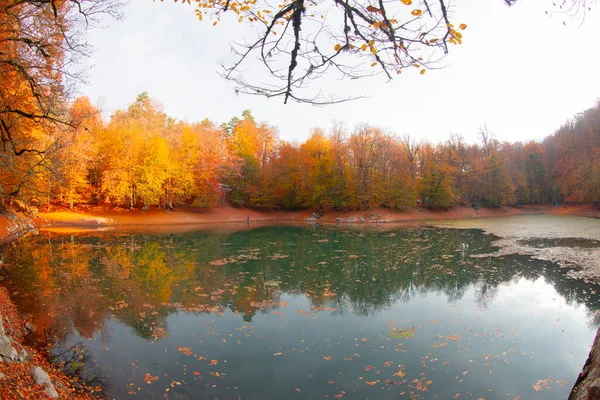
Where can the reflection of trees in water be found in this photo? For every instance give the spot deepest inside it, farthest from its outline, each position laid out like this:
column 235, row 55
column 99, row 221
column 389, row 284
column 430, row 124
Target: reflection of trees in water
column 77, row 282
column 484, row 293
column 593, row 318
column 76, row 361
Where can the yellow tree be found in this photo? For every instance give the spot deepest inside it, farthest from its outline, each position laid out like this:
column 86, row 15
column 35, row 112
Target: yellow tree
column 242, row 142
column 183, row 154
column 119, row 149
column 266, row 142
column 212, row 161
column 287, row 177
column 135, row 156
column 317, row 168
column 77, row 152
column 153, row 171
column 254, row 146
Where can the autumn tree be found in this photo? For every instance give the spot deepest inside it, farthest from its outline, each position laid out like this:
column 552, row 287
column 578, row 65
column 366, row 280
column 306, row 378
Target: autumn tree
column 210, row 161
column 135, row 155
column 286, row 174
column 77, row 178
column 460, row 161
column 578, row 168
column 436, row 186
column 399, row 186
column 342, row 189
column 495, row 185
column 528, row 171
column 254, row 145
column 40, row 43
column 317, row 166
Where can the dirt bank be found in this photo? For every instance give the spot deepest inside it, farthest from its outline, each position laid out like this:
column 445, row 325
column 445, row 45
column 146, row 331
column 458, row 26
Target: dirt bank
column 98, row 216
column 14, row 225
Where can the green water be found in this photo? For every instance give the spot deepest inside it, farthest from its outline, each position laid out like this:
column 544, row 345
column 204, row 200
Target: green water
column 304, row 312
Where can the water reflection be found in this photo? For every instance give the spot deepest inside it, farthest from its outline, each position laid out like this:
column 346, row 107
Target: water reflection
column 89, row 282
column 77, row 282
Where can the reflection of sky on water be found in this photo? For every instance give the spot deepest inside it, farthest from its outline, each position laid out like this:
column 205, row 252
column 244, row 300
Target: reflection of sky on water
column 527, row 330
column 289, row 311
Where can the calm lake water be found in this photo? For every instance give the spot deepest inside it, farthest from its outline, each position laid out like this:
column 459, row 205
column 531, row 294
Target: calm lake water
column 304, row 312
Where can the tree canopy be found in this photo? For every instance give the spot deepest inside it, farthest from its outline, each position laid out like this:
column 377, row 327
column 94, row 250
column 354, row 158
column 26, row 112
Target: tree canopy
column 143, row 158
column 55, row 149
column 41, row 43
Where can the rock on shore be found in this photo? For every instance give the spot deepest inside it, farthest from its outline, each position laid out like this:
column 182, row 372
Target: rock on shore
column 25, row 372
column 587, row 386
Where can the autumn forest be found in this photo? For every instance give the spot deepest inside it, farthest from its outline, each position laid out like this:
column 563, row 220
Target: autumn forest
column 56, row 149
column 144, row 158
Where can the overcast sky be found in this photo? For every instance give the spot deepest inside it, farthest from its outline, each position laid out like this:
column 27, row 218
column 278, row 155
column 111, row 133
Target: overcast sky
column 519, row 70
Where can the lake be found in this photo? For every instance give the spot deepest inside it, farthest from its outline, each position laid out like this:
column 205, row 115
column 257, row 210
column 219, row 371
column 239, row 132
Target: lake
column 304, row 312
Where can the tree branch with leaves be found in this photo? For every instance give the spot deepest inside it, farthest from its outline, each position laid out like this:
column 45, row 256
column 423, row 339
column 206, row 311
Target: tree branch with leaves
column 303, row 40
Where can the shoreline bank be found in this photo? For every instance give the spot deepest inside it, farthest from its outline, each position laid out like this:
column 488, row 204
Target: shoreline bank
column 101, row 216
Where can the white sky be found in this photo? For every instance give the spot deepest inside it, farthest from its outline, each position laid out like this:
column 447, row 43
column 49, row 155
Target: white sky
column 519, row 70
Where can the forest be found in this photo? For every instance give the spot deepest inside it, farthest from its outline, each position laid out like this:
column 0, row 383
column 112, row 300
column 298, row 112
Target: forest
column 143, row 158
column 56, row 149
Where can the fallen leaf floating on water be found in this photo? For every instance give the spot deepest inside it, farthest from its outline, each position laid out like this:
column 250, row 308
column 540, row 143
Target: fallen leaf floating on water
column 542, row 383
column 149, row 378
